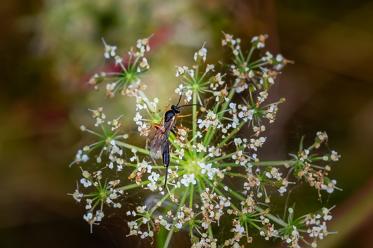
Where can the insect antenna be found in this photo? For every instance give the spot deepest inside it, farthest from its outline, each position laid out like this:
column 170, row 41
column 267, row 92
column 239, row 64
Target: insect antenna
column 177, row 105
column 188, row 105
column 185, row 105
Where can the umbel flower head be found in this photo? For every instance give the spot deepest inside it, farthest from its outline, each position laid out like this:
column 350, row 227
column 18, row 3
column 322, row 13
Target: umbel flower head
column 127, row 79
column 216, row 179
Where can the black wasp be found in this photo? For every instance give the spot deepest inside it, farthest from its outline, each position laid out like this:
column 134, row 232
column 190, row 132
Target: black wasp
column 159, row 144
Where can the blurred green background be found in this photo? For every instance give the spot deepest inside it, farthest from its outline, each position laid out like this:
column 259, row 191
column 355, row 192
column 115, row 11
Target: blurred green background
column 50, row 48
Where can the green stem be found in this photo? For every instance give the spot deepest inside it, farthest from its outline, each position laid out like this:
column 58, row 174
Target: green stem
column 194, row 115
column 250, row 54
column 236, row 174
column 191, row 207
column 257, row 65
column 153, row 166
column 142, row 150
column 259, row 209
column 274, row 163
column 236, row 130
column 211, row 131
column 220, row 193
column 191, row 196
column 222, row 157
column 154, row 114
column 133, row 186
column 130, row 147
column 260, row 163
column 159, row 203
column 168, row 238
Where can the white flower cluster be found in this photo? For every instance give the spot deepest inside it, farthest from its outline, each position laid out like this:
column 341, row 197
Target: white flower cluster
column 98, row 115
column 209, row 170
column 144, row 104
column 239, row 232
column 212, row 208
column 142, row 46
column 259, row 41
column 316, row 225
column 201, row 53
column 81, row 157
column 110, row 51
column 142, row 219
column 315, row 175
column 214, row 175
column 188, row 179
column 100, row 194
column 228, row 40
column 115, row 156
column 292, row 239
column 185, row 91
column 216, row 82
column 127, row 80
column 105, row 143
column 268, row 230
column 205, row 242
column 210, row 120
column 153, row 178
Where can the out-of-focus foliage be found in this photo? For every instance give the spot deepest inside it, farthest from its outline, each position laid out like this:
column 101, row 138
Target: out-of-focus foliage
column 70, row 31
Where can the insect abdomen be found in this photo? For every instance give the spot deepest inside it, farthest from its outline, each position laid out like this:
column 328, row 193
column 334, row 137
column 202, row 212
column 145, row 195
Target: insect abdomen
column 166, row 154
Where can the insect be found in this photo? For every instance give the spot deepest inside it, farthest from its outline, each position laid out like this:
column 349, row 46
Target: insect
column 159, row 144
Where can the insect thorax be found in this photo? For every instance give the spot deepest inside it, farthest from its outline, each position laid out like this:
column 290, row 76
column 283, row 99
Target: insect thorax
column 169, row 115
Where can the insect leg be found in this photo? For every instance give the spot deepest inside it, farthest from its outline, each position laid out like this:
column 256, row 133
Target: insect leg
column 173, row 131
column 183, row 116
column 166, row 158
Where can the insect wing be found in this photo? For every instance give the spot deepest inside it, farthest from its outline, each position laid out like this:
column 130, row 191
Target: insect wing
column 160, row 138
column 156, row 143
